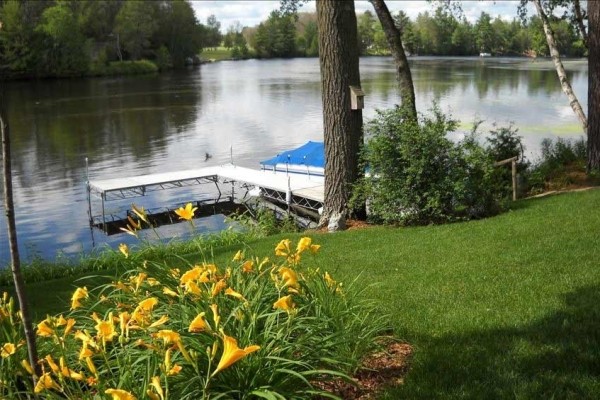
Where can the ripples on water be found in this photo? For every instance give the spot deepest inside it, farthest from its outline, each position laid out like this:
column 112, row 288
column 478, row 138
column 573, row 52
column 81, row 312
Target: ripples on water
column 251, row 109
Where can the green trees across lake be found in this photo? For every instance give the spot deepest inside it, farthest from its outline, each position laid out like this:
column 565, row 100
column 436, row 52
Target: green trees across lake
column 75, row 38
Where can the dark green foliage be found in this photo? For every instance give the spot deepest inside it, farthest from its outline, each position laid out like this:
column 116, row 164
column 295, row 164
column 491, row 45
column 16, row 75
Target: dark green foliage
column 74, row 38
column 504, row 143
column 418, row 176
column 276, row 37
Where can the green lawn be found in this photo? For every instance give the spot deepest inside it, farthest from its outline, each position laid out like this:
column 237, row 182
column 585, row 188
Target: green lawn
column 216, row 54
column 507, row 307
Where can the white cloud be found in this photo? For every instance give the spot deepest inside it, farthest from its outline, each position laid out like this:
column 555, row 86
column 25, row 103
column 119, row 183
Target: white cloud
column 251, row 13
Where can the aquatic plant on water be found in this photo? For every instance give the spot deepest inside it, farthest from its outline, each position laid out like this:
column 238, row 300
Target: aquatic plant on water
column 256, row 327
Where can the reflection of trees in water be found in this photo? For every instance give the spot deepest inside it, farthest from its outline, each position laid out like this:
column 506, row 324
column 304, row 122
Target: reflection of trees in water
column 439, row 78
column 55, row 124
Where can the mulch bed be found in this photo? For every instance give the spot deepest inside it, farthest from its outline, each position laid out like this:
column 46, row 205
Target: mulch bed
column 379, row 370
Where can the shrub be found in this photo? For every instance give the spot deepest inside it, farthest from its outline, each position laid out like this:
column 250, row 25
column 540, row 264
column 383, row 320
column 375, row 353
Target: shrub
column 504, row 143
column 254, row 328
column 418, row 176
column 125, row 68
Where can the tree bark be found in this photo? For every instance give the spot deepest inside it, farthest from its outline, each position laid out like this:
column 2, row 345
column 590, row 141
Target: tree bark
column 560, row 69
column 593, row 139
column 342, row 127
column 394, row 39
column 9, row 210
column 580, row 23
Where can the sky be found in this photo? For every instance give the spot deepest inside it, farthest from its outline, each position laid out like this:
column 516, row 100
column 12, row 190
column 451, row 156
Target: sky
column 252, row 12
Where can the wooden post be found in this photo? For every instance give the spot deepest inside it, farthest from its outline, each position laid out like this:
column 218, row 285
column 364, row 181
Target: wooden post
column 513, row 161
column 514, row 179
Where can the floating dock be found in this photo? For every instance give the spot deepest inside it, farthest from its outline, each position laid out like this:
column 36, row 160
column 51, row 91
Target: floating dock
column 296, row 190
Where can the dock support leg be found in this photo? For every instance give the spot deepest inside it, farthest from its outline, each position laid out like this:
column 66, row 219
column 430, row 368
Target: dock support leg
column 103, row 215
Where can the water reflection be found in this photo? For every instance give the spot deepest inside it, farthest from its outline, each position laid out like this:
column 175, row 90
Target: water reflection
column 248, row 110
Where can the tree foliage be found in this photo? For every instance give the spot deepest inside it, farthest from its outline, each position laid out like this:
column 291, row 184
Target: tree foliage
column 75, row 37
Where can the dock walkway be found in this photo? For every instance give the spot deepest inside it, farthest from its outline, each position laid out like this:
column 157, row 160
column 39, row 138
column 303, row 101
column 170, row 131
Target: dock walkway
column 293, row 189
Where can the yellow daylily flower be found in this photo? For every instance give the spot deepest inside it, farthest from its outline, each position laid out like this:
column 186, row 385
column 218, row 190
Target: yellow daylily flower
column 85, row 351
column 79, row 294
column 44, row 329
column 170, row 292
column 90, row 365
column 283, row 248
column 233, row 293
column 284, row 303
column 155, row 383
column 27, row 367
column 199, row 324
column 69, row 327
column 69, row 373
column 303, row 244
column 120, row 394
column 239, row 256
column 152, row 395
column 51, row 363
column 161, row 321
column 168, row 336
column 7, row 350
column 248, row 266
column 140, row 212
column 192, row 287
column 218, row 287
column 175, row 370
column 190, row 275
column 330, row 282
column 314, row 248
column 123, row 248
column 106, row 329
column 216, row 317
column 232, row 353
column 186, row 213
column 124, row 318
column 148, row 304
column 289, row 277
column 46, row 382
column 132, row 227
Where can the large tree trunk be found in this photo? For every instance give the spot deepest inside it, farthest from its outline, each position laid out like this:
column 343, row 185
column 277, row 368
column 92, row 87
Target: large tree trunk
column 338, row 56
column 593, row 139
column 9, row 210
column 394, row 39
column 560, row 69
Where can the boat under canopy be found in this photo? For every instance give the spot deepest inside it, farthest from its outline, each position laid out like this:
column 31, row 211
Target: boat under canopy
column 308, row 159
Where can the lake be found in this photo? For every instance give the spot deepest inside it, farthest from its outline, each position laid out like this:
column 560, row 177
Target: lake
column 246, row 111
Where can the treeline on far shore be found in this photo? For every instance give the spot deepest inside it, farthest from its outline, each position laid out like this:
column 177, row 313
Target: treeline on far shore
column 49, row 38
column 52, row 38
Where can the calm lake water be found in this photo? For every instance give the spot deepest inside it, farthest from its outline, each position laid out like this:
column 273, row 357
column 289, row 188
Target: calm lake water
column 249, row 109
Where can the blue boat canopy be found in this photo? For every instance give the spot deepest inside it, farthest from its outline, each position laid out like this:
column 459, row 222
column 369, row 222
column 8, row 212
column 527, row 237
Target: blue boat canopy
column 311, row 154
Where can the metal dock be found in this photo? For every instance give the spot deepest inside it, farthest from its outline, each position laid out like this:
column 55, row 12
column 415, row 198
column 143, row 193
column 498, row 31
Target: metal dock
column 292, row 189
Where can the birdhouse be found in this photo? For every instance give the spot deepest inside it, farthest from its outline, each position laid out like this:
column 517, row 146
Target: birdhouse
column 357, row 98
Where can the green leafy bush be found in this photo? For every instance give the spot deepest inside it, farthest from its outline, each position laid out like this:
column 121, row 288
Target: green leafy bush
column 416, row 175
column 255, row 328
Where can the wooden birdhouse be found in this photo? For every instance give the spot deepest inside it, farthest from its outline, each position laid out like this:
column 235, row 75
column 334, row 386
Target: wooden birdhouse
column 357, row 98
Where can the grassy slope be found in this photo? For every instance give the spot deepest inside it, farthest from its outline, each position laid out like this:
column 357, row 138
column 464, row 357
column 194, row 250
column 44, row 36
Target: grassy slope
column 499, row 308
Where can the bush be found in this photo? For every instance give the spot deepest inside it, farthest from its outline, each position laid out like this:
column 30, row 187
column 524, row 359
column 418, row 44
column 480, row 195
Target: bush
column 418, row 176
column 504, row 143
column 255, row 328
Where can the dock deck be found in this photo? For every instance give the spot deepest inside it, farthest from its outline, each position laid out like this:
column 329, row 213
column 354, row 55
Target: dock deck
column 293, row 189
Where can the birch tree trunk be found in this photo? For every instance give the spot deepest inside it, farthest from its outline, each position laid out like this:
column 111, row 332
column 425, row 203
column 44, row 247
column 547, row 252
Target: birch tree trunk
column 342, row 127
column 9, row 210
column 394, row 39
column 560, row 69
column 593, row 139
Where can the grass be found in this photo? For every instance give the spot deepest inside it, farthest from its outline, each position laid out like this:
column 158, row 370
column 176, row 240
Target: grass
column 216, row 54
column 505, row 307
